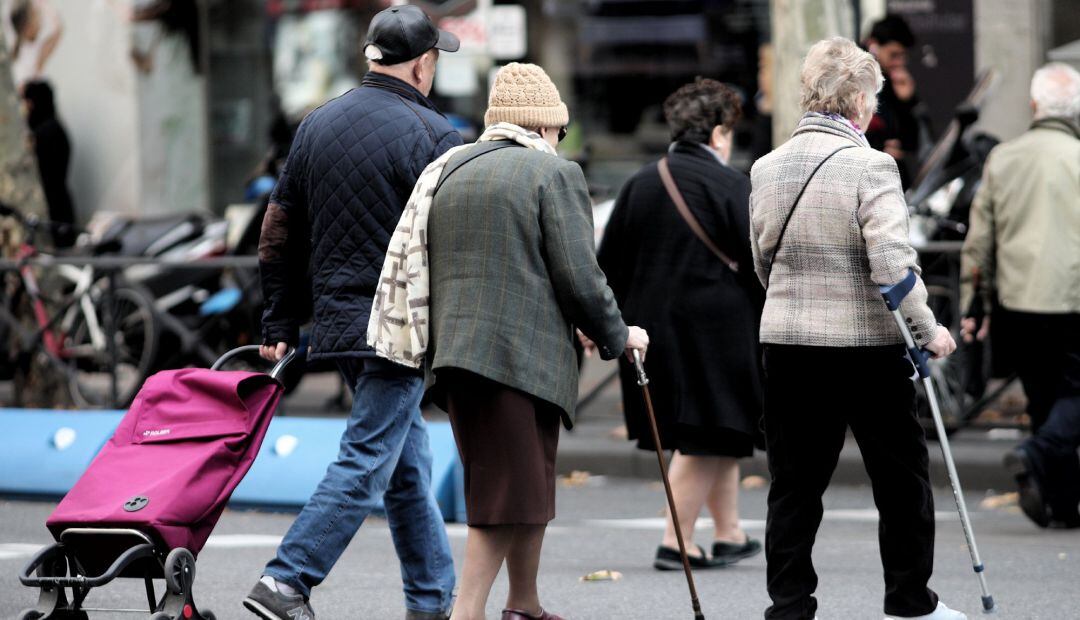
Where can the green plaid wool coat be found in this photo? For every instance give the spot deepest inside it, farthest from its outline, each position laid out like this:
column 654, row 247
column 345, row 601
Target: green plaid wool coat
column 513, row 271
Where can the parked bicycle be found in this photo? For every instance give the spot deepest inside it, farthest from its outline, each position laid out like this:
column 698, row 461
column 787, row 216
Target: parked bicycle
column 82, row 333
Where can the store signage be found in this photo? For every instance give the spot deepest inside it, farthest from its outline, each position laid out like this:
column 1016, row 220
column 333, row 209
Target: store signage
column 507, row 36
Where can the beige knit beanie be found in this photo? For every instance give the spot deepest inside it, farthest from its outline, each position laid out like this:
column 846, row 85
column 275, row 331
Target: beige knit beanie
column 524, row 95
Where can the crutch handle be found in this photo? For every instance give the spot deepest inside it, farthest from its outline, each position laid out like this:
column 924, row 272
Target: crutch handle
column 894, row 295
column 642, row 380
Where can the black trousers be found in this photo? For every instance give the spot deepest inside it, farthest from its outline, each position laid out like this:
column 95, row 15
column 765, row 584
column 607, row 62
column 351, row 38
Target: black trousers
column 1047, row 355
column 812, row 396
column 1046, row 352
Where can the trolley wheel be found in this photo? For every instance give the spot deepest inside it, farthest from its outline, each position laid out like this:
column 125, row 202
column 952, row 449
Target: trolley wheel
column 208, row 615
column 179, row 570
column 29, row 614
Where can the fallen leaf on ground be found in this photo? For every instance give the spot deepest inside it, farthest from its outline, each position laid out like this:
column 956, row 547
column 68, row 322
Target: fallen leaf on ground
column 575, row 479
column 997, row 502
column 754, row 482
column 603, row 575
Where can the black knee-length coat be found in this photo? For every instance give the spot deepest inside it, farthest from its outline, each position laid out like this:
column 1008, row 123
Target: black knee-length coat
column 704, row 357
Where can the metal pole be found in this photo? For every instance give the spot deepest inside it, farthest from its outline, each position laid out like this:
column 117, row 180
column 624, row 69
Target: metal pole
column 856, row 11
column 109, row 304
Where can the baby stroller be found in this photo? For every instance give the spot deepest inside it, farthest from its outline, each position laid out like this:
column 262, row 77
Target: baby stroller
column 149, row 500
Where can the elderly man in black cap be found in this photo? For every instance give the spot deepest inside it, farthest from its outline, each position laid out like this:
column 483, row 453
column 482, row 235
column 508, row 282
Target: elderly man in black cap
column 350, row 172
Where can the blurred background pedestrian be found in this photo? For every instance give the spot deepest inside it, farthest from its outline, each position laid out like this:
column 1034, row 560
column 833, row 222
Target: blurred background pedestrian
column 894, row 127
column 703, row 312
column 53, row 152
column 1029, row 202
column 33, row 32
column 828, row 226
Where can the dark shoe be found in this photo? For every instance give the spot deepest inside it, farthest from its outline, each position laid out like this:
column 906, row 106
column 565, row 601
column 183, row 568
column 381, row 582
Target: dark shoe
column 1070, row 522
column 731, row 553
column 412, row 614
column 1031, row 498
column 273, row 605
column 517, row 614
column 669, row 559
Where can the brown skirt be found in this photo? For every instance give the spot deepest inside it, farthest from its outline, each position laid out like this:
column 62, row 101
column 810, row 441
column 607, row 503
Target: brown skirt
column 507, row 441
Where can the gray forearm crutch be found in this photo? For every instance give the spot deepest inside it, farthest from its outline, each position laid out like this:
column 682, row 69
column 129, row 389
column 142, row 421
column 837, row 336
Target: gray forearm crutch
column 894, row 295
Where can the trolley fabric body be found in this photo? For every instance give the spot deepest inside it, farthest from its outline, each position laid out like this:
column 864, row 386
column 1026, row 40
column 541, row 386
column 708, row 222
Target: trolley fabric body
column 176, row 457
column 148, row 502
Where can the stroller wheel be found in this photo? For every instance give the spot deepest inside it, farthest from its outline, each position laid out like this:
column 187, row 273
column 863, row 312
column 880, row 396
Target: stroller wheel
column 29, row 614
column 179, row 570
column 208, row 615
column 161, row 616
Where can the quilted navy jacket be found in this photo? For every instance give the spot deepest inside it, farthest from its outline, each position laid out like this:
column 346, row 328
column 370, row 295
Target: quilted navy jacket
column 351, row 169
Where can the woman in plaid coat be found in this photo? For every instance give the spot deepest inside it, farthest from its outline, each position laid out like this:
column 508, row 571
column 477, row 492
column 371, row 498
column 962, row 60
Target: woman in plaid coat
column 828, row 225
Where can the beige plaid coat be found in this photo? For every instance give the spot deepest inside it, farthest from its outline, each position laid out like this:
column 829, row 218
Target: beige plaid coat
column 848, row 235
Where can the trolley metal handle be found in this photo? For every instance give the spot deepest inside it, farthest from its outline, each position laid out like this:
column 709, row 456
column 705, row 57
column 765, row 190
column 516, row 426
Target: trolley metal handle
column 56, row 550
column 274, row 373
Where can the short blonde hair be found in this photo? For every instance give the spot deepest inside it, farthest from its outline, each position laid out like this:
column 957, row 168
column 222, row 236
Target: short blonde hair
column 833, row 75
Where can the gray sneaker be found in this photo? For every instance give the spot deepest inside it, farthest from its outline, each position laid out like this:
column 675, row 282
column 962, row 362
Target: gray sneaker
column 273, row 605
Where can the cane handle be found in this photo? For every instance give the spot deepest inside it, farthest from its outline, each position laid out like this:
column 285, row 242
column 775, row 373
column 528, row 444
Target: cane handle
column 642, row 380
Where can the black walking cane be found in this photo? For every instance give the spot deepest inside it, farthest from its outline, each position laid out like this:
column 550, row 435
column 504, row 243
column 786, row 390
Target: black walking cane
column 643, row 381
column 894, row 295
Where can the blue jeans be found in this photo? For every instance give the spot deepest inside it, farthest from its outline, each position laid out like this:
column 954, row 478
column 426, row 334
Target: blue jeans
column 384, row 454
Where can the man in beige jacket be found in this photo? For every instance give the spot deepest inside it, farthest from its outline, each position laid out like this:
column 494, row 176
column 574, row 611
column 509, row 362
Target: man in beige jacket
column 1024, row 249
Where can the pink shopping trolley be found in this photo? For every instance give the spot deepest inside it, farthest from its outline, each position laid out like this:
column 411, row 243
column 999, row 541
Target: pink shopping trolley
column 149, row 500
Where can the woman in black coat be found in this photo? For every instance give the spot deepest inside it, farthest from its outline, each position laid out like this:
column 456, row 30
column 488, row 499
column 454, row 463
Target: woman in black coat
column 702, row 316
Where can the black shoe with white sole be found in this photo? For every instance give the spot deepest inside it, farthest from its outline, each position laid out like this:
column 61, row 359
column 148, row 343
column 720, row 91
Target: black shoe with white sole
column 270, row 604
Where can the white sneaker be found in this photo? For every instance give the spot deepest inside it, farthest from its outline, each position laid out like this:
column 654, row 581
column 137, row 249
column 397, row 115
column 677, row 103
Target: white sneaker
column 941, row 613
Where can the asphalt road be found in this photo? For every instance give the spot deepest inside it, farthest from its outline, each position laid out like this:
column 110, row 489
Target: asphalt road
column 614, row 524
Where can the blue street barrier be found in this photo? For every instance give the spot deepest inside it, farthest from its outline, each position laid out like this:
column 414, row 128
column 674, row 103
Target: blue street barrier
column 46, row 451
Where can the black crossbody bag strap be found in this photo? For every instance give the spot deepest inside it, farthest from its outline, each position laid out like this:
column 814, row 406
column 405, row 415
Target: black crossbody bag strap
column 787, row 220
column 481, row 149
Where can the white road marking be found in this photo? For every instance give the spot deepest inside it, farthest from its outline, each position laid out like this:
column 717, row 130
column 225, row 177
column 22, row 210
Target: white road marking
column 657, row 523
column 870, row 515
column 857, row 515
column 11, row 551
column 461, row 530
column 239, row 541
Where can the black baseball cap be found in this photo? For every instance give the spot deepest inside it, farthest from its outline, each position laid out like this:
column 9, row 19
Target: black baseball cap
column 401, row 33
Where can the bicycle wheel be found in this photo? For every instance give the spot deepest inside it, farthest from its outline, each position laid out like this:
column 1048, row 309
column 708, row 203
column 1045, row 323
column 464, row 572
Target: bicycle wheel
column 135, row 338
column 39, row 378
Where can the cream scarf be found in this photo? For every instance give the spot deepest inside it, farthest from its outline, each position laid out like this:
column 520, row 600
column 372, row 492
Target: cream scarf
column 398, row 326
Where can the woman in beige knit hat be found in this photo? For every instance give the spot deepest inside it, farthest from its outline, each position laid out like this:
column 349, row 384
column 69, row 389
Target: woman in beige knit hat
column 505, row 255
